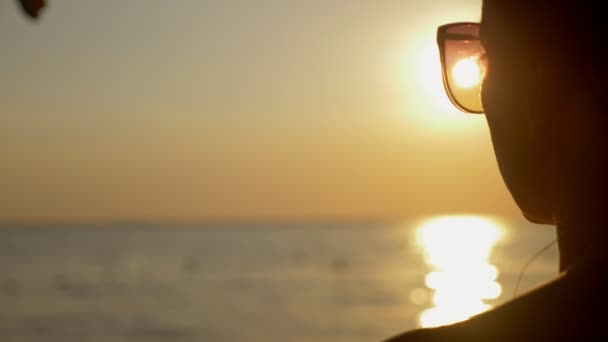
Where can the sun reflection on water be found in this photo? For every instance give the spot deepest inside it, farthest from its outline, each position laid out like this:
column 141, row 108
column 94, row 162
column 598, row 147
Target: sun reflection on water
column 457, row 249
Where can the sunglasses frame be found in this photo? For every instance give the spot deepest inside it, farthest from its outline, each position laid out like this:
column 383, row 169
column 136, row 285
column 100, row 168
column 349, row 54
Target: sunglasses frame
column 442, row 37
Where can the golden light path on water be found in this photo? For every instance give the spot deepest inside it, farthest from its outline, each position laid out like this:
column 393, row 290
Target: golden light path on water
column 457, row 250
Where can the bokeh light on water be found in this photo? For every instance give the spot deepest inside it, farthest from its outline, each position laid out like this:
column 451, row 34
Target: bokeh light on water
column 457, row 250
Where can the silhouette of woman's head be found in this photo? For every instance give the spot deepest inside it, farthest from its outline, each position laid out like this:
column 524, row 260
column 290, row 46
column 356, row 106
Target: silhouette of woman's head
column 543, row 95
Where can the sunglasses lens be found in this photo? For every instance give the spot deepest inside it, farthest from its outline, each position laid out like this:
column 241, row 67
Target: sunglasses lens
column 464, row 66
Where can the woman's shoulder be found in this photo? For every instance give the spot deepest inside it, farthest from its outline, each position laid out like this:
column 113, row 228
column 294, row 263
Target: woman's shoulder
column 571, row 307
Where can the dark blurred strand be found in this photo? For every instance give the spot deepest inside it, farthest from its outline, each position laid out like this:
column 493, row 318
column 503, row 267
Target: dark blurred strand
column 32, row 7
column 539, row 253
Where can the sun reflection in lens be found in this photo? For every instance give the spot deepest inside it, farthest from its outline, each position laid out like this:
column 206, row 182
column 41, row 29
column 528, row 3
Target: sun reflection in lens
column 467, row 72
column 457, row 249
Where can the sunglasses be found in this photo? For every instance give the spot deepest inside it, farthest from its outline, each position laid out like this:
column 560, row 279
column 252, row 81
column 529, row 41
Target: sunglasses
column 463, row 65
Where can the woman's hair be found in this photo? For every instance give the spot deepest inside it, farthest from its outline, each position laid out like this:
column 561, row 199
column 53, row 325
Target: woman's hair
column 566, row 41
column 569, row 31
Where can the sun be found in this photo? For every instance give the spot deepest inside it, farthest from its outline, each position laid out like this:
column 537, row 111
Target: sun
column 467, row 73
column 427, row 98
column 428, row 68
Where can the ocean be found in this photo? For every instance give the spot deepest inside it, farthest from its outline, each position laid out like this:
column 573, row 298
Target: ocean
column 257, row 282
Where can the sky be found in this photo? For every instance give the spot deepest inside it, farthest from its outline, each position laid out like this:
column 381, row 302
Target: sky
column 236, row 110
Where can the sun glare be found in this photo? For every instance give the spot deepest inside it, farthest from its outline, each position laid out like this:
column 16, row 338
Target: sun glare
column 428, row 101
column 429, row 70
column 467, row 73
column 457, row 250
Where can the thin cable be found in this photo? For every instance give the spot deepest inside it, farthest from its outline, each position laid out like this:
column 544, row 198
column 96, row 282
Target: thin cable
column 539, row 253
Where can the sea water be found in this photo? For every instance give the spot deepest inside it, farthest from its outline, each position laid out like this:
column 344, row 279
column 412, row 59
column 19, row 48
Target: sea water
column 234, row 282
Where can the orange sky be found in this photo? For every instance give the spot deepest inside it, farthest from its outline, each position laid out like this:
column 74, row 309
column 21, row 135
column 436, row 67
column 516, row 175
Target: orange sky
column 233, row 109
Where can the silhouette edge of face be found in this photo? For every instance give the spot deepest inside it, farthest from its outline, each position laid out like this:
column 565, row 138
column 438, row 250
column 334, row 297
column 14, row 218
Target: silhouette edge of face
column 513, row 110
